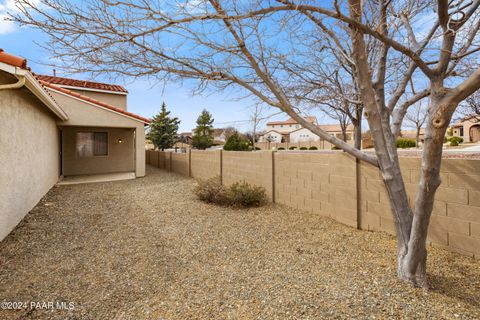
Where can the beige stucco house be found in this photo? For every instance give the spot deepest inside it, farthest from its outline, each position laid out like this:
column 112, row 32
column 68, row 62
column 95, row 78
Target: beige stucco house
column 56, row 127
column 291, row 131
column 468, row 128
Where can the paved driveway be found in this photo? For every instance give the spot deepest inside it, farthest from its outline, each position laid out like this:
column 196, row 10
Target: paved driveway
column 147, row 249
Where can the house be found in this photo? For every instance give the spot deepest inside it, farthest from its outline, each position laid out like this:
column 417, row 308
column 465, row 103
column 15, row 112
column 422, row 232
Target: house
column 412, row 134
column 468, row 128
column 57, row 127
column 185, row 140
column 219, row 136
column 291, row 131
column 279, row 131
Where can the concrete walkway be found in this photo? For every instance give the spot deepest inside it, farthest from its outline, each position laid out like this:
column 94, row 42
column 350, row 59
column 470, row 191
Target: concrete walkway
column 95, row 178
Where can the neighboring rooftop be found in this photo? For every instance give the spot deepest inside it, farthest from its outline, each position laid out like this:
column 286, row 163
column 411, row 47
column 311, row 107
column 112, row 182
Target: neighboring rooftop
column 67, row 82
column 13, row 60
column 310, row 119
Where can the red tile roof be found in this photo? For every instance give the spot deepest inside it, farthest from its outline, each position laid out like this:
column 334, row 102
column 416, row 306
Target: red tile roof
column 13, row 60
column 81, row 83
column 94, row 101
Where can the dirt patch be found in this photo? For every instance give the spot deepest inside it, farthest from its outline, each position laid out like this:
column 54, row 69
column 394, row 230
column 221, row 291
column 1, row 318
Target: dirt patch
column 147, row 249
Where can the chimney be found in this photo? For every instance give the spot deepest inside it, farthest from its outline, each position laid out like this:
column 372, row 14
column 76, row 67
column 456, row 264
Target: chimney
column 54, row 72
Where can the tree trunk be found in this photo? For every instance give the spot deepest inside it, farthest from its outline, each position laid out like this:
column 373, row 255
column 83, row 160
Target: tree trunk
column 357, row 131
column 412, row 265
column 417, row 138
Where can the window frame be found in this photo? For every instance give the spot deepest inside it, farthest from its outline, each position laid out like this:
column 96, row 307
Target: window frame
column 78, row 156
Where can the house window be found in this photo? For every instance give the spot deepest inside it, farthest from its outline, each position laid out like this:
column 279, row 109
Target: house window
column 461, row 131
column 92, row 144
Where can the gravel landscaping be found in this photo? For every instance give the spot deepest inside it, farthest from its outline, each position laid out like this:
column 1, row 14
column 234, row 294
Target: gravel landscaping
column 147, row 249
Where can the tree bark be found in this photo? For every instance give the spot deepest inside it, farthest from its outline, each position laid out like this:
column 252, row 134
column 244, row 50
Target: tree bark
column 417, row 137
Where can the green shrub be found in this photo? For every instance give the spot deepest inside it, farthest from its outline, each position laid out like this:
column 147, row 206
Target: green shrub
column 303, row 148
column 242, row 194
column 237, row 142
column 281, row 148
column 313, row 148
column 292, row 148
column 454, row 141
column 257, row 148
column 335, row 148
column 211, row 191
column 405, row 143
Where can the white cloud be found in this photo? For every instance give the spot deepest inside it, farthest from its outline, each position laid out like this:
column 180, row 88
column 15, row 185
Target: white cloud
column 5, row 25
column 6, row 7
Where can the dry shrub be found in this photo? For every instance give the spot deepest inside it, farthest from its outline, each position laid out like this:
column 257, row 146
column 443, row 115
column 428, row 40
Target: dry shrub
column 242, row 194
column 239, row 194
column 212, row 191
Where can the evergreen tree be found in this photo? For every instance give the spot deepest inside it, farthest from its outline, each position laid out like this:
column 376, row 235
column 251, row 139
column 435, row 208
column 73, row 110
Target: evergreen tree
column 163, row 129
column 203, row 133
column 237, row 142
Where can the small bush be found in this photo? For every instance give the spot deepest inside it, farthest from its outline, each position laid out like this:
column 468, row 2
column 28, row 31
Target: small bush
column 257, row 148
column 281, row 148
column 405, row 143
column 335, row 148
column 211, row 191
column 454, row 141
column 292, row 148
column 239, row 194
column 303, row 148
column 242, row 194
column 313, row 148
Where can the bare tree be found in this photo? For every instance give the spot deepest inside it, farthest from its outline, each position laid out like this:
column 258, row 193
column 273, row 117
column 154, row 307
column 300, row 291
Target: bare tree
column 470, row 107
column 416, row 118
column 257, row 120
column 242, row 44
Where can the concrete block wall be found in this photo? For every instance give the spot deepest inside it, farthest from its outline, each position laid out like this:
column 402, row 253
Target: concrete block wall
column 455, row 220
column 252, row 167
column 334, row 184
column 318, row 182
column 205, row 164
column 180, row 163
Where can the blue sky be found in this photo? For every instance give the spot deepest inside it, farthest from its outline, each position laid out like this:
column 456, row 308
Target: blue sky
column 143, row 99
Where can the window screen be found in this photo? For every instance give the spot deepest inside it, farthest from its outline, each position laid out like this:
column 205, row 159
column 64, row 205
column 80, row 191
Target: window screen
column 90, row 144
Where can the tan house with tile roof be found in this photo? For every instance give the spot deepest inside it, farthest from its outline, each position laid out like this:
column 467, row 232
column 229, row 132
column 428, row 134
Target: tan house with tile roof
column 54, row 129
column 468, row 128
column 291, row 131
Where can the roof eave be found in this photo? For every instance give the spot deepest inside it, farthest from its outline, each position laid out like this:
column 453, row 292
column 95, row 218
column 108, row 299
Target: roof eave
column 36, row 88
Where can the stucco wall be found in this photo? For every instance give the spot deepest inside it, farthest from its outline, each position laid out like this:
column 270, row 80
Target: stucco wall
column 120, row 158
column 116, row 100
column 29, row 155
column 303, row 135
column 83, row 114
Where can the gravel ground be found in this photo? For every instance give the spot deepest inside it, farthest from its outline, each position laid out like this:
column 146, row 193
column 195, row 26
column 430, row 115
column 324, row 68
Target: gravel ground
column 147, row 249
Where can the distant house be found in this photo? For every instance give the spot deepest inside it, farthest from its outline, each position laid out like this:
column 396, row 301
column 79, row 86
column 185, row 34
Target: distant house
column 185, row 140
column 219, row 136
column 291, row 131
column 412, row 134
column 56, row 127
column 468, row 128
